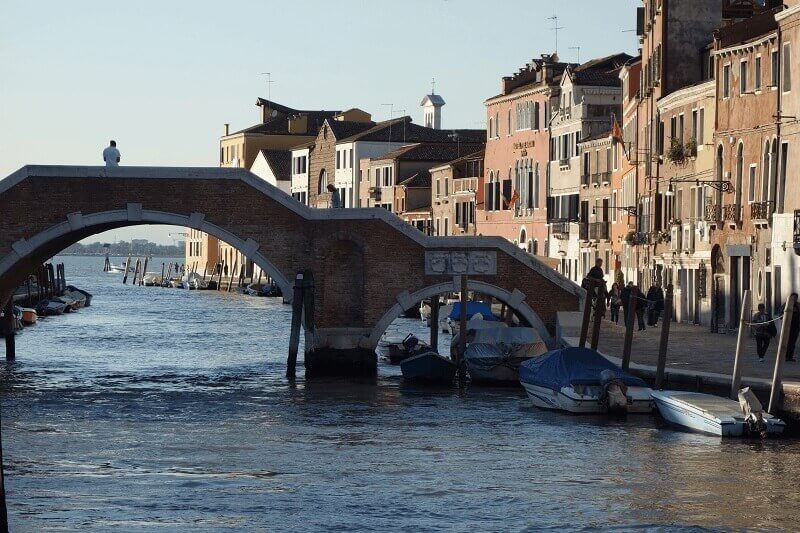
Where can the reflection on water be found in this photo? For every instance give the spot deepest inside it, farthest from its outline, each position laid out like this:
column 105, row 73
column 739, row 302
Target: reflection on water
column 160, row 409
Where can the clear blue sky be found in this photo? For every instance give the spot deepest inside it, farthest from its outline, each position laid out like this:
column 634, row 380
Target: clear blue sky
column 162, row 77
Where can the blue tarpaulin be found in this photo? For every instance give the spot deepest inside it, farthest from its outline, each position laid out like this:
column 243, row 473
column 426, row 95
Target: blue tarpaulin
column 571, row 366
column 472, row 309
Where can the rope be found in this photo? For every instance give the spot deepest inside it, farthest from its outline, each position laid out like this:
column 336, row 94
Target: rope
column 765, row 322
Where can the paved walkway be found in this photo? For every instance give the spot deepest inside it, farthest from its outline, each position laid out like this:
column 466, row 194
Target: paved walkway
column 694, row 349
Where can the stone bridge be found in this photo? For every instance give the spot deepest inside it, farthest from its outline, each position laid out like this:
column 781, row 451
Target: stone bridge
column 368, row 265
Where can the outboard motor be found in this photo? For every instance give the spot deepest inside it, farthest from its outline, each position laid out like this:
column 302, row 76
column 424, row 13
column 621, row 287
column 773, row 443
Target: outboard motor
column 410, row 342
column 753, row 414
column 614, row 389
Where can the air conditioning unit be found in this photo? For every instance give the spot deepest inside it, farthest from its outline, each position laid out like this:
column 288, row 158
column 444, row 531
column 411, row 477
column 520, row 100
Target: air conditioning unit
column 688, row 237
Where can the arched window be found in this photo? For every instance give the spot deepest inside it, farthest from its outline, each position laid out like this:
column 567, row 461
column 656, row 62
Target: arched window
column 523, row 236
column 535, row 248
column 739, row 179
column 775, row 193
column 323, row 182
column 765, row 173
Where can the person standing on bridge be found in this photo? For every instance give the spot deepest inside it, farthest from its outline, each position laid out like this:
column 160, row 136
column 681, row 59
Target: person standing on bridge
column 336, row 200
column 111, row 155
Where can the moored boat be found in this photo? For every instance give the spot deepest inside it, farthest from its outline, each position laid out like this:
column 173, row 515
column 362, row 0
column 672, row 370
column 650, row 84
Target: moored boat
column 580, row 380
column 87, row 295
column 69, row 303
column 402, row 349
column 29, row 316
column 429, row 367
column 715, row 415
column 475, row 310
column 493, row 355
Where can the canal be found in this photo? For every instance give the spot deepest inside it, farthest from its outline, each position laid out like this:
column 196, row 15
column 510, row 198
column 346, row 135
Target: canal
column 163, row 410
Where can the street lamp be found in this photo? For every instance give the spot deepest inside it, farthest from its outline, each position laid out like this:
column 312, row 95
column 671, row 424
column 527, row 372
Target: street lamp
column 722, row 186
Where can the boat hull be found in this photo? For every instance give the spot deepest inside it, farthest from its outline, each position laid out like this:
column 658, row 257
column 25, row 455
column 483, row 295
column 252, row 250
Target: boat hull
column 567, row 399
column 680, row 409
column 428, row 367
column 506, row 373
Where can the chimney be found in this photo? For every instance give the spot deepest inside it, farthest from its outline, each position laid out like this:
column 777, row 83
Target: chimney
column 227, row 129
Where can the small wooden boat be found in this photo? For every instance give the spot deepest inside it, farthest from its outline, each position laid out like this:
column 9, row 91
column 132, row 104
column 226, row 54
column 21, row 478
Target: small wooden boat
column 493, row 355
column 87, row 295
column 69, row 304
column 52, row 308
column 715, row 415
column 429, row 367
column 29, row 316
column 580, row 380
column 78, row 299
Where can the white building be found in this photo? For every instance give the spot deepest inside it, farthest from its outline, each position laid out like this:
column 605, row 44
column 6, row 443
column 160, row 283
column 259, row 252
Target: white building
column 299, row 173
column 272, row 166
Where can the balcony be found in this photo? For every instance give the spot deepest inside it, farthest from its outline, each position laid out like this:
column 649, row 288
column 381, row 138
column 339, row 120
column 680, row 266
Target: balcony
column 599, row 231
column 731, row 213
column 761, row 211
column 563, row 163
column 560, row 229
column 601, row 178
column 713, row 213
column 465, row 185
column 583, row 231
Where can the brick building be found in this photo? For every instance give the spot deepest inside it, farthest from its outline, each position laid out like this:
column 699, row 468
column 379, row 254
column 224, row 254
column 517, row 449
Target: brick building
column 517, row 154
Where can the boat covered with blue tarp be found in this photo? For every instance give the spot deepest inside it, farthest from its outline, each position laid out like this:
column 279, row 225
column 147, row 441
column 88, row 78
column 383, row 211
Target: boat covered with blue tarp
column 581, row 380
column 473, row 308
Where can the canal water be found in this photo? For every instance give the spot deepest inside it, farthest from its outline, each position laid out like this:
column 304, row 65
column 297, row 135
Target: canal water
column 167, row 410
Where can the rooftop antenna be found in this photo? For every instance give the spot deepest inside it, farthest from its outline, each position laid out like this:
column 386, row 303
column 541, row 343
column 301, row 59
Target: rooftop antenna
column 269, row 84
column 577, row 52
column 391, row 116
column 555, row 28
column 433, row 85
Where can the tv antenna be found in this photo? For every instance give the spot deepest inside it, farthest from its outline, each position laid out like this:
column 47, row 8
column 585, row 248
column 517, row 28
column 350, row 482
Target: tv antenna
column 270, row 81
column 555, row 28
column 577, row 52
column 433, row 85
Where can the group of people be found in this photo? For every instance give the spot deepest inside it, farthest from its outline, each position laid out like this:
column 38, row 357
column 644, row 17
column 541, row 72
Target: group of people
column 651, row 306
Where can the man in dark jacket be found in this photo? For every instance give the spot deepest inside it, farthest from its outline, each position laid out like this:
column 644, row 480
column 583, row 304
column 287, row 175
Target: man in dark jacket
column 625, row 294
column 794, row 329
column 655, row 304
column 596, row 272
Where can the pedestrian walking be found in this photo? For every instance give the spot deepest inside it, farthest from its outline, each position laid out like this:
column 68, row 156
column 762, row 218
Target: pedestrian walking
column 336, row 200
column 641, row 306
column 655, row 304
column 794, row 330
column 763, row 330
column 625, row 295
column 111, row 155
column 614, row 301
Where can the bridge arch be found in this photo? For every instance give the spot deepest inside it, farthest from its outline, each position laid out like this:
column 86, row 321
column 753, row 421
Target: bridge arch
column 78, row 226
column 515, row 300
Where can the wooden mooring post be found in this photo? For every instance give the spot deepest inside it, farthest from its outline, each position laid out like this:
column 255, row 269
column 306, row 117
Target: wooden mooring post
column 736, row 377
column 662, row 346
column 633, row 301
column 127, row 268
column 587, row 312
column 8, row 330
column 144, row 270
column 783, row 344
column 462, row 333
column 230, row 279
column 434, row 325
column 294, row 335
column 599, row 312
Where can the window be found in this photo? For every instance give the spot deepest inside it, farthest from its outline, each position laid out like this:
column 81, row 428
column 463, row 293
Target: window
column 751, row 183
column 757, row 75
column 726, row 81
column 338, row 159
column 351, row 157
column 446, row 229
column 509, row 122
column 775, row 63
column 680, row 128
column 742, row 77
column 701, row 117
column 694, row 124
column 497, row 124
column 491, row 123
column 787, row 68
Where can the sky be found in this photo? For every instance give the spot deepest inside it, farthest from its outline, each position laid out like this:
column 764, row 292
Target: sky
column 161, row 78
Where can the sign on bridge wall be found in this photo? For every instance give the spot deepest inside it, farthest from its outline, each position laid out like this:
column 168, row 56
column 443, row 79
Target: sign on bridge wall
column 470, row 263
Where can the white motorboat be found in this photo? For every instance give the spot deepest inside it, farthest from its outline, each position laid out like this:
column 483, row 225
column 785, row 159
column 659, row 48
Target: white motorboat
column 580, row 380
column 715, row 415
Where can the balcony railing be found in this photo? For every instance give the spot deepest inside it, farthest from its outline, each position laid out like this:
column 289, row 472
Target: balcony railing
column 599, row 231
column 563, row 162
column 465, row 185
column 583, row 231
column 761, row 210
column 731, row 213
column 560, row 229
column 713, row 212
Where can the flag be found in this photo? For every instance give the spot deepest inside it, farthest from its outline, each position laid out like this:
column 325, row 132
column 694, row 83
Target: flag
column 512, row 200
column 616, row 132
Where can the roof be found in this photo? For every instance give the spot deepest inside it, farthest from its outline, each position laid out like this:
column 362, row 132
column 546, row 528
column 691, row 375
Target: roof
column 434, row 152
column 404, row 130
column 279, row 124
column 343, row 129
column 420, row 179
column 280, row 161
column 603, row 71
column 434, row 99
column 748, row 29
